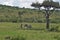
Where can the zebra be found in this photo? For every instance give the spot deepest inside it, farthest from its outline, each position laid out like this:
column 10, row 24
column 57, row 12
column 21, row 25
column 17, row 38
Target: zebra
column 27, row 26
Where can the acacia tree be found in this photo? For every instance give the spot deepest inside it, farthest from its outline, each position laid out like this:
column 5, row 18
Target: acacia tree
column 20, row 14
column 47, row 4
column 20, row 17
column 36, row 5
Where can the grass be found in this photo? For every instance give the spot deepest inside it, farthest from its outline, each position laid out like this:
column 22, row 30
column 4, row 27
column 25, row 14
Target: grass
column 13, row 30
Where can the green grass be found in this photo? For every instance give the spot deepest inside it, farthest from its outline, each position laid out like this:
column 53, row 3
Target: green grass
column 13, row 29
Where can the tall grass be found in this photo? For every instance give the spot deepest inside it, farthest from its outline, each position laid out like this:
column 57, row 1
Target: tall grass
column 13, row 29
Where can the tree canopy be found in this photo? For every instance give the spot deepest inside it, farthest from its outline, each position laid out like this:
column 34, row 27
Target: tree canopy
column 46, row 3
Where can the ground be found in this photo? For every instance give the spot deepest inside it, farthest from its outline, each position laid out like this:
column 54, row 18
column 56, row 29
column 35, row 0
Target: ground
column 13, row 30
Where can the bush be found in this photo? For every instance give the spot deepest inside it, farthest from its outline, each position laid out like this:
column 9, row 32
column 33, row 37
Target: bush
column 55, row 29
column 7, row 38
column 57, row 37
column 18, row 38
column 40, row 21
column 15, row 38
column 55, row 20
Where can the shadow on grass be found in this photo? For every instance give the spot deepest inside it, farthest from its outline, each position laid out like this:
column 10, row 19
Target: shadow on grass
column 41, row 29
column 34, row 29
column 15, row 38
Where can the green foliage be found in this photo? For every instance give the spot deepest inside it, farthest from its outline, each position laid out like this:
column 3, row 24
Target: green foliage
column 57, row 37
column 18, row 38
column 10, row 14
column 15, row 38
column 54, row 29
column 37, row 5
column 51, row 3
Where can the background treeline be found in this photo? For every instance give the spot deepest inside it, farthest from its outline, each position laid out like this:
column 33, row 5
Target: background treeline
column 16, row 14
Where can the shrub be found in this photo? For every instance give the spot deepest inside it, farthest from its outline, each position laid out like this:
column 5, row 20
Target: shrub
column 7, row 37
column 55, row 29
column 18, row 38
column 15, row 38
column 57, row 37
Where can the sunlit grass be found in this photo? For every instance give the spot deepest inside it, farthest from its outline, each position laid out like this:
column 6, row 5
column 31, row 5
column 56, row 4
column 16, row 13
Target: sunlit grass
column 13, row 29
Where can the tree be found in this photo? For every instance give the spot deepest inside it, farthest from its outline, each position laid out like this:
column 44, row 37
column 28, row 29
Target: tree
column 20, row 14
column 36, row 5
column 47, row 4
column 20, row 17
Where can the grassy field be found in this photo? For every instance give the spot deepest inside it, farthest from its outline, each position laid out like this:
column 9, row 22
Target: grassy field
column 9, row 25
column 13, row 30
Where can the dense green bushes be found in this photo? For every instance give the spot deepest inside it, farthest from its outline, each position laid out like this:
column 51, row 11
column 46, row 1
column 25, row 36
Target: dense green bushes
column 56, row 20
column 15, row 38
column 15, row 14
column 16, row 19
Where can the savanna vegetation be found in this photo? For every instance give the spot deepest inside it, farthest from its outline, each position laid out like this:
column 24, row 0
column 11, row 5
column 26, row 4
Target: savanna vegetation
column 12, row 31
column 11, row 19
column 15, row 14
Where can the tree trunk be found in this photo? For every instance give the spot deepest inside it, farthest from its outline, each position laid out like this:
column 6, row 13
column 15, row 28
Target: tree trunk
column 47, row 19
